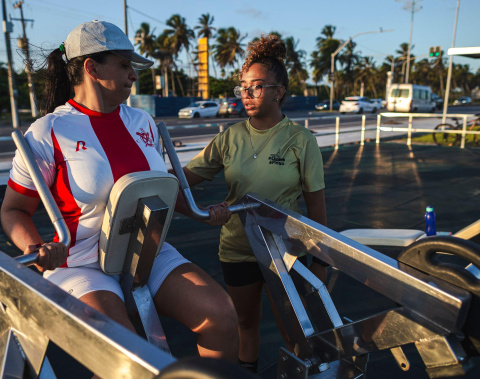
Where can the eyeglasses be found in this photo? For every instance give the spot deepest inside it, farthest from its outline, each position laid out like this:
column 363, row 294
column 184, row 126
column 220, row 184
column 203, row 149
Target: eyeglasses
column 253, row 91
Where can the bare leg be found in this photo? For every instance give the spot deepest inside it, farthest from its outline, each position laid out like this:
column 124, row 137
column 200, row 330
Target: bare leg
column 319, row 271
column 193, row 298
column 109, row 304
column 248, row 304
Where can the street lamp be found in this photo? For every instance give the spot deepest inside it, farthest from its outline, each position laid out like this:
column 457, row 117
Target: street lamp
column 450, row 65
column 332, row 69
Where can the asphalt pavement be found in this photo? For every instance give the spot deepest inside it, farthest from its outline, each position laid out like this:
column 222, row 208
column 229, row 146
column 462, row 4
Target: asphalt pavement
column 386, row 185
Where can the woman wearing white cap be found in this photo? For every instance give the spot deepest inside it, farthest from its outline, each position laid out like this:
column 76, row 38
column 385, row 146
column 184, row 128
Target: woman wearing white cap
column 83, row 145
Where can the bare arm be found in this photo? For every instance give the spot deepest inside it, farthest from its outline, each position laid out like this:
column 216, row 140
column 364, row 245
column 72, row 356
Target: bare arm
column 219, row 214
column 16, row 215
column 316, row 209
column 17, row 211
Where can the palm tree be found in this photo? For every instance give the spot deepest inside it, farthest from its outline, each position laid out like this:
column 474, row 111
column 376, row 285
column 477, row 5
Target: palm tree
column 403, row 52
column 165, row 55
column 349, row 59
column 296, row 70
column 179, row 35
column 206, row 30
column 205, row 25
column 228, row 46
column 176, row 38
column 147, row 45
column 366, row 73
column 321, row 58
column 327, row 33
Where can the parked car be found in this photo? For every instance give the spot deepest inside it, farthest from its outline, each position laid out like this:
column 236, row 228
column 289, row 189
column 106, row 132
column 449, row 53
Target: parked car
column 232, row 107
column 325, row 105
column 464, row 100
column 409, row 97
column 438, row 101
column 358, row 104
column 200, row 109
column 380, row 103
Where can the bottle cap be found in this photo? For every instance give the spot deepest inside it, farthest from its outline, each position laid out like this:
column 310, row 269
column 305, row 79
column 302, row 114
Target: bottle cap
column 429, row 209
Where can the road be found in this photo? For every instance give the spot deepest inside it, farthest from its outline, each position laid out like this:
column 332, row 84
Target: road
column 187, row 130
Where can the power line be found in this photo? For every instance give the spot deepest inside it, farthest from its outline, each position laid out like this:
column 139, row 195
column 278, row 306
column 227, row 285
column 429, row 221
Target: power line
column 146, row 15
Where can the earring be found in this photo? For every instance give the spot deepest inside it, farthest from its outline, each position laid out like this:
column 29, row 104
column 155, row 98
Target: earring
column 276, row 99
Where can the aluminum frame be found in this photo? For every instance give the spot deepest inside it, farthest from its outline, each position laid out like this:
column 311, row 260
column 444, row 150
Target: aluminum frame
column 428, row 310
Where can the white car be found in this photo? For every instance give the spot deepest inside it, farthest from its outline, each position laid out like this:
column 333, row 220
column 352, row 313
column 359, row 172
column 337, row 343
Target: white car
column 200, row 109
column 358, row 104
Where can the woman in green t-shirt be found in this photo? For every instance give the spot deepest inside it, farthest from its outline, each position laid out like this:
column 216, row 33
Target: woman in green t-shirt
column 267, row 154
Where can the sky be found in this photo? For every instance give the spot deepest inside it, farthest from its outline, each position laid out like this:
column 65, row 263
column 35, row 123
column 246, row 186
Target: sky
column 433, row 22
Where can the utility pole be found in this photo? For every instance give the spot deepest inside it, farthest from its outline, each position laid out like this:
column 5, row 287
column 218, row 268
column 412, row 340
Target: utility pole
column 23, row 44
column 135, row 84
column 125, row 16
column 410, row 43
column 7, row 28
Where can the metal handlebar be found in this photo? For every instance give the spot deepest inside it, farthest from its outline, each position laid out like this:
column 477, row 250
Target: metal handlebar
column 177, row 169
column 45, row 195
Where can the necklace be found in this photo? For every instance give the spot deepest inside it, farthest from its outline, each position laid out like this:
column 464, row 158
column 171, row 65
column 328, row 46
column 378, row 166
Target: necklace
column 255, row 152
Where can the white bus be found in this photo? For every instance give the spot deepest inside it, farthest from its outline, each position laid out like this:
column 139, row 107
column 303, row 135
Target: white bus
column 410, row 98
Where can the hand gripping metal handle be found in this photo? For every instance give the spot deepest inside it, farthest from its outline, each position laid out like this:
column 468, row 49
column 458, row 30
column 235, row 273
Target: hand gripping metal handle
column 177, row 169
column 45, row 194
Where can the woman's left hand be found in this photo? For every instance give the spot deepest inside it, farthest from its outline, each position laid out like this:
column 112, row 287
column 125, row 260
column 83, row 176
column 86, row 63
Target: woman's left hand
column 219, row 214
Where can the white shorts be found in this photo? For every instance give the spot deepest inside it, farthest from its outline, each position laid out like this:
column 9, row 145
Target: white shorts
column 78, row 281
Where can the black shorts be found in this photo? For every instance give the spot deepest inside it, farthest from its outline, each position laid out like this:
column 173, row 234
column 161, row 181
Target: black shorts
column 245, row 273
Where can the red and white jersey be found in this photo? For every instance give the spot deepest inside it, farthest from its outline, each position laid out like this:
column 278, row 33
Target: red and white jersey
column 81, row 154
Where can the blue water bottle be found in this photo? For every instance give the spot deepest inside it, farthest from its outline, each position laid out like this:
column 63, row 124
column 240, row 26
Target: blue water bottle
column 431, row 229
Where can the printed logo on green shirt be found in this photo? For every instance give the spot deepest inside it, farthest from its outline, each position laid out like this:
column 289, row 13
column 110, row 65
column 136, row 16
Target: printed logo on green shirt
column 276, row 159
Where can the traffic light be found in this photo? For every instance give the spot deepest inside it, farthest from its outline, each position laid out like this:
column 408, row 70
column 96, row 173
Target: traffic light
column 435, row 52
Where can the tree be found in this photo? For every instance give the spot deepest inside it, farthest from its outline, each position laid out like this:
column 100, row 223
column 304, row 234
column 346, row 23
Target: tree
column 366, row 73
column 349, row 59
column 403, row 52
column 174, row 39
column 205, row 25
column 296, row 70
column 228, row 47
column 179, row 35
column 147, row 45
column 321, row 58
column 164, row 53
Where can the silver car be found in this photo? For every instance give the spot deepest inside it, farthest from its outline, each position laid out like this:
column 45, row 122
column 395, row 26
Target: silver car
column 200, row 109
column 358, row 104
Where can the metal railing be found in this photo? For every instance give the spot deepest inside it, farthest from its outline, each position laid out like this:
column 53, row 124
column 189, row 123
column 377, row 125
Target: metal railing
column 410, row 129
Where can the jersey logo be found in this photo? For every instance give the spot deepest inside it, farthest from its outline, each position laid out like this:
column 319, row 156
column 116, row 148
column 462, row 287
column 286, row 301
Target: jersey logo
column 81, row 144
column 276, row 159
column 145, row 136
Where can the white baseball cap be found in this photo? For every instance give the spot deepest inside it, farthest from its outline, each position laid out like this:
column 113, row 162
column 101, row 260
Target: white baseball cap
column 97, row 36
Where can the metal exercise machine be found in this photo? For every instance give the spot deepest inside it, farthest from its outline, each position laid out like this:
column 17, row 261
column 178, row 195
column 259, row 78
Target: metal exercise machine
column 33, row 311
column 437, row 304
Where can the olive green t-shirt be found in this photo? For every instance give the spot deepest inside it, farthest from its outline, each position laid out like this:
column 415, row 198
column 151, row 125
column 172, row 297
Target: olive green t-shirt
column 288, row 163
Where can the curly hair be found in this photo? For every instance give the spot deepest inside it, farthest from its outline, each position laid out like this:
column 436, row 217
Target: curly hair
column 270, row 51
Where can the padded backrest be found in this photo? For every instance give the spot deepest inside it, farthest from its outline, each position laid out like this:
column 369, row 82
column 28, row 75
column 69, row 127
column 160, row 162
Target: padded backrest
column 122, row 204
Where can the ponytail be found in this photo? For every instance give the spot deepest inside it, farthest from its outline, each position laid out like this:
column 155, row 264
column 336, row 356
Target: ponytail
column 58, row 89
column 61, row 77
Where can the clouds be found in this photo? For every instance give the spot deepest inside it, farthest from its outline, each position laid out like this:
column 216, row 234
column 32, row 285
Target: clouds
column 252, row 12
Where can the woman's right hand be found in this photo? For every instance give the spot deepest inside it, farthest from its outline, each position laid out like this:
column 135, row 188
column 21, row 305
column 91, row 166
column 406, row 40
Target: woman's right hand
column 51, row 255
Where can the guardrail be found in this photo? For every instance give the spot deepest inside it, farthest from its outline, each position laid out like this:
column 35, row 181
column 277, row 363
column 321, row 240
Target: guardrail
column 411, row 130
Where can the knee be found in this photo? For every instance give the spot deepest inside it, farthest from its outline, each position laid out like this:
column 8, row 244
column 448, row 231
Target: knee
column 249, row 320
column 222, row 316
